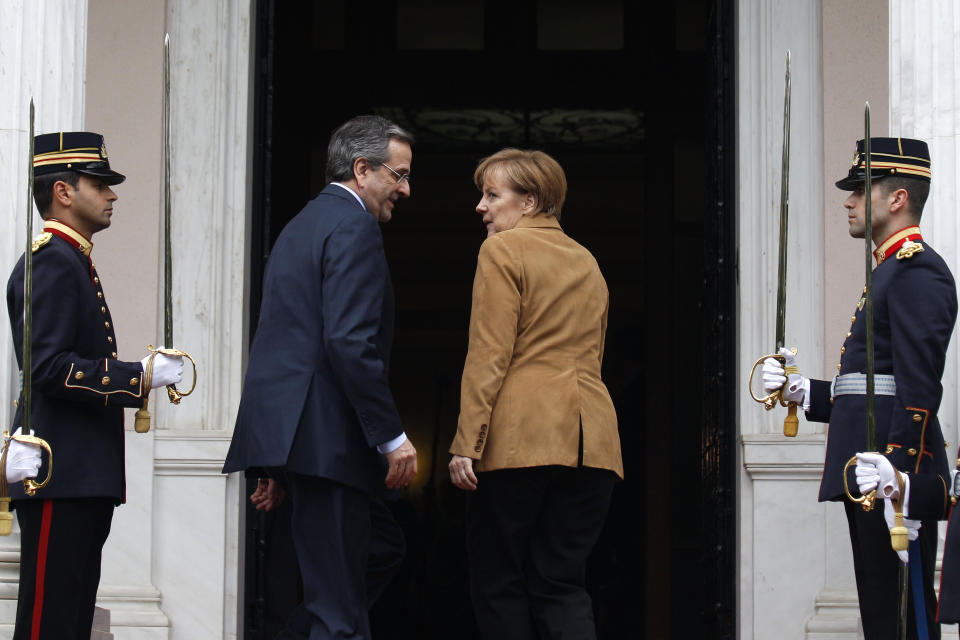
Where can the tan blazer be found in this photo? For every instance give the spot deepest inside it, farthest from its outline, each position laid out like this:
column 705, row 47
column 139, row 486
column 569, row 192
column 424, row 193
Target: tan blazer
column 532, row 372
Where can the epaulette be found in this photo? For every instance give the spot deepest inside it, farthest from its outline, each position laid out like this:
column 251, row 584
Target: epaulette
column 40, row 241
column 908, row 249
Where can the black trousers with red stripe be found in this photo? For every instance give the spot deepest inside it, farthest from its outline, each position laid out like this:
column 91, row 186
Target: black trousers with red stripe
column 60, row 545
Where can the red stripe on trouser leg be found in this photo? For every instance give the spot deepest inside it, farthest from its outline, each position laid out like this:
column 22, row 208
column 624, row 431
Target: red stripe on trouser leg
column 42, row 547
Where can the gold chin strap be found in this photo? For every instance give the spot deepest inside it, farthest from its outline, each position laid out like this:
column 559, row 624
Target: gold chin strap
column 141, row 420
column 30, row 486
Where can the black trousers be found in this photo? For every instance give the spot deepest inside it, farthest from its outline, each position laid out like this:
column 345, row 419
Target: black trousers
column 529, row 532
column 61, row 541
column 349, row 547
column 876, row 566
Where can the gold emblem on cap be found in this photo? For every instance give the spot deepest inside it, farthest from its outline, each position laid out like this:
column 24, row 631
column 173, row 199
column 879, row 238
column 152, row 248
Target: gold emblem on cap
column 103, row 150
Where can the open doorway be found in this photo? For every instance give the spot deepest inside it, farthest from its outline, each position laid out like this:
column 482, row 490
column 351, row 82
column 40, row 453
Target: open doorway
column 633, row 100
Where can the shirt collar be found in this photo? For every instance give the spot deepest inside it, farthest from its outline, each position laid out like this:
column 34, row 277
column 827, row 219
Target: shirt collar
column 71, row 235
column 354, row 193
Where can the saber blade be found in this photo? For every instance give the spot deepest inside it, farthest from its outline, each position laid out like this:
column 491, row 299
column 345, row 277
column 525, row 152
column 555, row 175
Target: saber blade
column 784, row 206
column 868, row 244
column 27, row 371
column 167, row 253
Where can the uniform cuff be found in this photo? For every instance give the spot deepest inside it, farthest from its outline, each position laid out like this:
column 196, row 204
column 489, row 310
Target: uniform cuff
column 392, row 445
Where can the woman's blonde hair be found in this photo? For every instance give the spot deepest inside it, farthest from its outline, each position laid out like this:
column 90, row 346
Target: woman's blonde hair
column 532, row 172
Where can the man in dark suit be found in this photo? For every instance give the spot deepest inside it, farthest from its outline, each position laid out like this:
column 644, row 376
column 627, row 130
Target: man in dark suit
column 316, row 411
column 79, row 390
column 915, row 308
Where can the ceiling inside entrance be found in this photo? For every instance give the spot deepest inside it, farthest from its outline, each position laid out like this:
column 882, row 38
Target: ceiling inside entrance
column 466, row 128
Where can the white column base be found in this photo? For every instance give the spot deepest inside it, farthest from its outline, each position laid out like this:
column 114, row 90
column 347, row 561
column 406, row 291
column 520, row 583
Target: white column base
column 784, row 539
column 101, row 625
column 837, row 617
column 134, row 611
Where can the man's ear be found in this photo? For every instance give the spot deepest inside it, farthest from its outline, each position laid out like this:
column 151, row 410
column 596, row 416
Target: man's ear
column 899, row 200
column 361, row 167
column 62, row 193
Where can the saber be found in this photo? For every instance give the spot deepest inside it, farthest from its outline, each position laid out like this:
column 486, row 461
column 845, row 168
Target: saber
column 167, row 257
column 173, row 393
column 784, row 206
column 898, row 534
column 791, row 422
column 868, row 307
column 141, row 423
column 30, row 486
column 26, row 384
column 898, row 537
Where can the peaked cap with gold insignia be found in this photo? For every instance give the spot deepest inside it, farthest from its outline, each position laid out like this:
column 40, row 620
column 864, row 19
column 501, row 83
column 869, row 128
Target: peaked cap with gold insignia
column 78, row 151
column 903, row 157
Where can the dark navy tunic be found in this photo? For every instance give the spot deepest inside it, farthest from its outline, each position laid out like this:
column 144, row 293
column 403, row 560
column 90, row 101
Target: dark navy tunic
column 79, row 386
column 915, row 307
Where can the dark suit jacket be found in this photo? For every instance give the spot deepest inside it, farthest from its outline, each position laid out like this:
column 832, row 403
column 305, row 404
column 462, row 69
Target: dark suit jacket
column 315, row 399
column 915, row 307
column 79, row 387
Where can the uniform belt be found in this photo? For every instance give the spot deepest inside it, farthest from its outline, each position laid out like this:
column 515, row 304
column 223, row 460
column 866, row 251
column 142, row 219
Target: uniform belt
column 855, row 384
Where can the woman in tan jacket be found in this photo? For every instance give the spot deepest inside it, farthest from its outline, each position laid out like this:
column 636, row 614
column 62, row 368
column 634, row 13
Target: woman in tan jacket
column 537, row 441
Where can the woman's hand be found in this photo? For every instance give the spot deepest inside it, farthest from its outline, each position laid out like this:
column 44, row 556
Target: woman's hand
column 461, row 473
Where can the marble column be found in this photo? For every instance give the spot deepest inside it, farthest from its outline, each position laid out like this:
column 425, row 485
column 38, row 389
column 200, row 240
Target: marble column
column 42, row 55
column 172, row 565
column 782, row 541
column 197, row 526
column 925, row 104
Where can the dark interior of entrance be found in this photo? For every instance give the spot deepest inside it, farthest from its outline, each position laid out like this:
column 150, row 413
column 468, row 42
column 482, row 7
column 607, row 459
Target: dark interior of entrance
column 625, row 96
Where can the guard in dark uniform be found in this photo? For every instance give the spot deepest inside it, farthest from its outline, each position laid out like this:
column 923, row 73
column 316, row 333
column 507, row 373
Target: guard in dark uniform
column 915, row 308
column 928, row 496
column 79, row 390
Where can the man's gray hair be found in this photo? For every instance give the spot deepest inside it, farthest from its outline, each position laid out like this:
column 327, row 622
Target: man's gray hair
column 362, row 137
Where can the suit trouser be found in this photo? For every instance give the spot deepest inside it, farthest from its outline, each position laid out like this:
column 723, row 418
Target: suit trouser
column 61, row 541
column 529, row 533
column 349, row 547
column 876, row 566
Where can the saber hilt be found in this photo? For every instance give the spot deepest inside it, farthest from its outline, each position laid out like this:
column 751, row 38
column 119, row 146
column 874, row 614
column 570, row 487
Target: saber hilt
column 141, row 422
column 791, row 423
column 30, row 485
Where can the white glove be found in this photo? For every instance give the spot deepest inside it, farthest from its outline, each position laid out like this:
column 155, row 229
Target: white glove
column 774, row 377
column 874, row 470
column 913, row 528
column 23, row 460
column 166, row 370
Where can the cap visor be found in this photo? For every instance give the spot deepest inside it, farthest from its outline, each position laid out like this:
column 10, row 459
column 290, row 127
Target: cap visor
column 110, row 177
column 852, row 182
